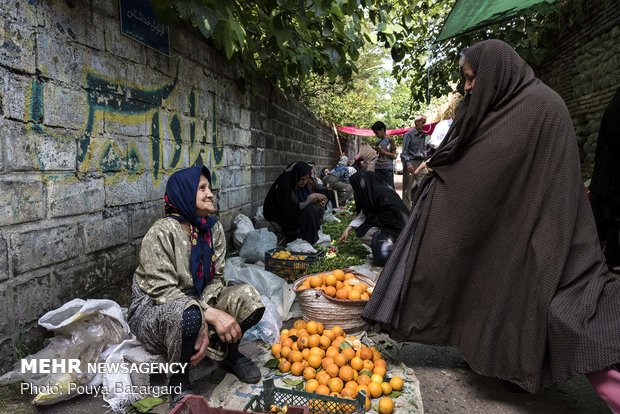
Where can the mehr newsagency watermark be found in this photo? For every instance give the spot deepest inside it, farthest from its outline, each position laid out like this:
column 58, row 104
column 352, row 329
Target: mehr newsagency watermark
column 70, row 368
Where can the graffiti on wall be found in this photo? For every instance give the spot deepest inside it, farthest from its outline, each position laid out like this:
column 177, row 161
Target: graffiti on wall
column 169, row 137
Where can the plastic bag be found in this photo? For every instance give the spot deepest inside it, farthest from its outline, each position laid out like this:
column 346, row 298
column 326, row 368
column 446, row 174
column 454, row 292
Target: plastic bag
column 83, row 329
column 329, row 215
column 300, row 246
column 243, row 227
column 268, row 329
column 257, row 242
column 324, row 239
column 268, row 284
column 259, row 219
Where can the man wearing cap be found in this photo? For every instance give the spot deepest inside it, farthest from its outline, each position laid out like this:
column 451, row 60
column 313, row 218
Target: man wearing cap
column 413, row 153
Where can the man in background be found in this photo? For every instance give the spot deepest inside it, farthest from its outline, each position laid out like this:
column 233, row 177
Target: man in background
column 387, row 153
column 413, row 153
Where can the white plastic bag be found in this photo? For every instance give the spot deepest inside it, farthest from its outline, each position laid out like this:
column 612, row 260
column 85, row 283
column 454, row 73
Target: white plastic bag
column 257, row 242
column 83, row 330
column 268, row 329
column 267, row 283
column 329, row 215
column 243, row 227
column 324, row 239
column 300, row 246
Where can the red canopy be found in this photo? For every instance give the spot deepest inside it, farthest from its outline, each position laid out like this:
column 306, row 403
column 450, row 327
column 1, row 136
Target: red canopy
column 428, row 129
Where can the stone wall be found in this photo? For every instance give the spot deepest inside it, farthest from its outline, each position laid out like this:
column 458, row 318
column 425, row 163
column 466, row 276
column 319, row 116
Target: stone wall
column 584, row 69
column 92, row 125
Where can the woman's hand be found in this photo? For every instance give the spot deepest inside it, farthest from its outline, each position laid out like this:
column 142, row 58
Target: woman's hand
column 202, row 342
column 423, row 167
column 225, row 325
column 318, row 199
column 345, row 234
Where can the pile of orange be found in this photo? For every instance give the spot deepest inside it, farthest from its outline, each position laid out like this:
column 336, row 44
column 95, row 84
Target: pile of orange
column 338, row 284
column 332, row 363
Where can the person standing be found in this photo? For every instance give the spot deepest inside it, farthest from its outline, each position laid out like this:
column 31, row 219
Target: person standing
column 605, row 185
column 501, row 257
column 366, row 157
column 387, row 153
column 413, row 153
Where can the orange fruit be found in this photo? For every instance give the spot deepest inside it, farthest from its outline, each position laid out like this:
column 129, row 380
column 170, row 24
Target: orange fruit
column 357, row 363
column 332, row 370
column 348, row 276
column 332, row 351
column 364, row 286
column 342, row 294
column 365, row 296
column 297, row 369
column 375, row 390
column 322, row 389
column 275, row 350
column 379, row 370
column 309, row 373
column 363, row 388
column 338, row 331
column 314, row 360
column 288, row 342
column 346, row 373
column 299, row 324
column 322, row 377
column 349, row 353
column 376, row 355
column 317, row 351
column 324, row 342
column 330, row 334
column 363, row 379
column 296, row 356
column 311, row 385
column 376, row 378
column 335, row 384
column 330, row 291
column 295, row 347
column 331, row 280
column 368, row 365
column 367, row 403
column 314, row 340
column 339, row 274
column 293, row 332
column 321, row 328
column 305, row 353
column 386, row 387
column 396, row 383
column 366, row 353
column 302, row 342
column 334, row 394
column 349, row 392
column 315, row 281
column 386, row 405
column 284, row 365
column 380, row 363
column 355, row 295
column 285, row 352
column 339, row 285
column 340, row 360
column 351, row 384
column 312, row 327
column 327, row 361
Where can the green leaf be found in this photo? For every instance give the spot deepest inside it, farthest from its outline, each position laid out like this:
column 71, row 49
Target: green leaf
column 395, row 394
column 292, row 382
column 147, row 404
column 344, row 345
column 367, row 372
column 272, row 363
column 299, row 387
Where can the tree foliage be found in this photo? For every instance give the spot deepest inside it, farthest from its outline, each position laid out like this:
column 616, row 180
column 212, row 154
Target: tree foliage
column 312, row 48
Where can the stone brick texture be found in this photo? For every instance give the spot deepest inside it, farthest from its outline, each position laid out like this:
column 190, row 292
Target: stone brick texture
column 584, row 68
column 92, row 124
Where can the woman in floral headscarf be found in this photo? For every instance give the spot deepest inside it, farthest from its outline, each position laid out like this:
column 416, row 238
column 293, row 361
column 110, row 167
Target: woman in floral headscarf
column 500, row 257
column 181, row 307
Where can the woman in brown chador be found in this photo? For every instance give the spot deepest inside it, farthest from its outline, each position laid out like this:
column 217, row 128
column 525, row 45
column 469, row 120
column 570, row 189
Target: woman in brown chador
column 500, row 257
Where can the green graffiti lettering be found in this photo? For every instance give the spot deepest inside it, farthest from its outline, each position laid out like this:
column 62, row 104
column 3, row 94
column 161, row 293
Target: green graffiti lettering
column 155, row 139
column 175, row 128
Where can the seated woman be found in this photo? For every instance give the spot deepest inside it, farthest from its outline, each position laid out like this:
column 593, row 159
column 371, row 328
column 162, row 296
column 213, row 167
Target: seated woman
column 381, row 214
column 292, row 204
column 338, row 180
column 181, row 308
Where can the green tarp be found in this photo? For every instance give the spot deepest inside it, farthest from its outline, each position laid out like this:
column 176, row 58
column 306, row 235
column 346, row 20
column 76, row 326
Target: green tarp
column 467, row 15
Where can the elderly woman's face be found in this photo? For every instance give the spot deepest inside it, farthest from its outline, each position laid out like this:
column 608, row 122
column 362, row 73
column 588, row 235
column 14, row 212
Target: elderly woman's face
column 470, row 77
column 303, row 181
column 205, row 203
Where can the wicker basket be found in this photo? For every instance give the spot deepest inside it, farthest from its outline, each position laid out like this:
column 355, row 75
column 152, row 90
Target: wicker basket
column 316, row 306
